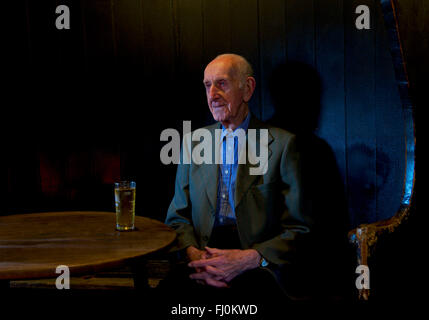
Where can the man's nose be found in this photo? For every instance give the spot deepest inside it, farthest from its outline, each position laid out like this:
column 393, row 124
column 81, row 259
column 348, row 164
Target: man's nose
column 213, row 91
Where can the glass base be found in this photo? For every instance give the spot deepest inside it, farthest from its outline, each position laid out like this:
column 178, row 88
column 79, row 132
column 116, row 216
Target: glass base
column 124, row 228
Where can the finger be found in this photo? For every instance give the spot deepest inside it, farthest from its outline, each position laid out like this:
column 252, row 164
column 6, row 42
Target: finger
column 205, row 262
column 213, row 251
column 191, row 263
column 215, row 271
column 231, row 276
column 205, row 278
column 199, row 276
column 215, row 283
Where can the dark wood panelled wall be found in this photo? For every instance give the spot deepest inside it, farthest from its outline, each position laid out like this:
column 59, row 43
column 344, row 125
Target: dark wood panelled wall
column 88, row 104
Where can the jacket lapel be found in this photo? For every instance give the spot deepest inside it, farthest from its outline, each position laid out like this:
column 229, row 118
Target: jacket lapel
column 210, row 171
column 244, row 180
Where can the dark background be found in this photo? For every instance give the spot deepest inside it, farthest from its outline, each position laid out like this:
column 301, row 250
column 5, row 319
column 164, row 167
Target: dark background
column 84, row 107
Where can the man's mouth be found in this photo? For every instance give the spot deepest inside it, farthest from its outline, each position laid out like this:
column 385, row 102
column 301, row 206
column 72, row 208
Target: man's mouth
column 218, row 105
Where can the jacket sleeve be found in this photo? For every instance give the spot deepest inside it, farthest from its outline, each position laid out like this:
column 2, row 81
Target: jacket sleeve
column 294, row 224
column 179, row 214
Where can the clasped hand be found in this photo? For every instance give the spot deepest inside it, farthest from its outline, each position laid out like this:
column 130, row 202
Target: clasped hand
column 217, row 267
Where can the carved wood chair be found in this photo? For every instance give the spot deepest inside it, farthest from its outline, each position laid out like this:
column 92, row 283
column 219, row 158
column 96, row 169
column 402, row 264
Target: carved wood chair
column 366, row 236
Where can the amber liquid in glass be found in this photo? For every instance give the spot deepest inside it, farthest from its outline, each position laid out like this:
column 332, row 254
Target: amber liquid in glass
column 125, row 203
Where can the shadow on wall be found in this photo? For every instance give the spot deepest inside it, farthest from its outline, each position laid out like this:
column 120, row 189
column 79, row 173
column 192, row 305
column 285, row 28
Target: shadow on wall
column 295, row 90
column 296, row 93
column 364, row 187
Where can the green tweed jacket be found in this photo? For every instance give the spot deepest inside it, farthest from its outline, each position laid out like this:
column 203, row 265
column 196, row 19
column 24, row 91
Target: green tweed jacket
column 268, row 207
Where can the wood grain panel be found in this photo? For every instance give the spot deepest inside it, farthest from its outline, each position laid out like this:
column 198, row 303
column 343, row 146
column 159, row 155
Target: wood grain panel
column 272, row 48
column 190, row 65
column 100, row 41
column 245, row 41
column 360, row 115
column 128, row 31
column 330, row 56
column 217, row 28
column 300, row 26
column 390, row 155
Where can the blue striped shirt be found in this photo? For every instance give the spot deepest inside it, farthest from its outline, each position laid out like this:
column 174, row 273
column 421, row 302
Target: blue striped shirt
column 225, row 208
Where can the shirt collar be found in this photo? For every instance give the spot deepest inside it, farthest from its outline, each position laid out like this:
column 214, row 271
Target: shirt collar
column 244, row 125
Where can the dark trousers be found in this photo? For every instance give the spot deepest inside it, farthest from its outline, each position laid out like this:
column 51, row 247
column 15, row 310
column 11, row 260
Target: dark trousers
column 257, row 286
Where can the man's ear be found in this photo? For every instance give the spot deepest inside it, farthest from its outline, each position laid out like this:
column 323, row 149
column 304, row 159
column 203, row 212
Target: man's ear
column 249, row 88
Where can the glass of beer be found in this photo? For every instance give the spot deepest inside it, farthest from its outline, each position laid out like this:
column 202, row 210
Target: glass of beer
column 125, row 203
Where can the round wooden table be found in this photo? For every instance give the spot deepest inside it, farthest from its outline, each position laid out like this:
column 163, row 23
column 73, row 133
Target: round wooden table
column 33, row 245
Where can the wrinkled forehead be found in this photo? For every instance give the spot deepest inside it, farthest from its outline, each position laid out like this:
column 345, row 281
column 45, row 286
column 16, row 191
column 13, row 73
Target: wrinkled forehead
column 220, row 68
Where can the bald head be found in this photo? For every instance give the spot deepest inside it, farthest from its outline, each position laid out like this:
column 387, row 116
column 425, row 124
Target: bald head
column 239, row 67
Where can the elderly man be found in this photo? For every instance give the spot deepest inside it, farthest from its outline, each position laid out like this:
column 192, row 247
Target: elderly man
column 232, row 225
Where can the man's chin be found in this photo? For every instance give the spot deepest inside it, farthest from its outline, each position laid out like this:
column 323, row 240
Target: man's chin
column 220, row 116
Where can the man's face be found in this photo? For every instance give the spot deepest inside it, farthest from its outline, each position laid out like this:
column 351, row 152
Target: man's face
column 224, row 95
